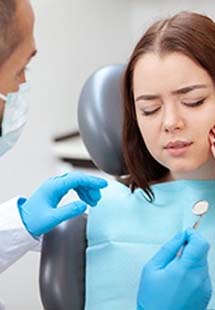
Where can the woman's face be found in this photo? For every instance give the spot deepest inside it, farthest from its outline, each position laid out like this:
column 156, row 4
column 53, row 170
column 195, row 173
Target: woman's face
column 175, row 109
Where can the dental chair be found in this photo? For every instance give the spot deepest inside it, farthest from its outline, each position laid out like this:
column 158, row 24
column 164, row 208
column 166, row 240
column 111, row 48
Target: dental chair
column 62, row 266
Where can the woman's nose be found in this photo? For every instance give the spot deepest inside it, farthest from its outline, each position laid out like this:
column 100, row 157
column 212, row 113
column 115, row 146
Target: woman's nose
column 172, row 120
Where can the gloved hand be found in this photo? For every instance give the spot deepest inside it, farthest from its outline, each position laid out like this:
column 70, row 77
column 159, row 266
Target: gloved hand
column 40, row 213
column 169, row 282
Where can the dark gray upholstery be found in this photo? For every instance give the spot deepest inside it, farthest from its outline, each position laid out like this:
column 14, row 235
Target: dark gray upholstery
column 62, row 268
column 100, row 118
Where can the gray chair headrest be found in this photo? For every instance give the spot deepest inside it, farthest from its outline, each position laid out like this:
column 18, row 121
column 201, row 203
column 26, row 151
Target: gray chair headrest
column 100, row 118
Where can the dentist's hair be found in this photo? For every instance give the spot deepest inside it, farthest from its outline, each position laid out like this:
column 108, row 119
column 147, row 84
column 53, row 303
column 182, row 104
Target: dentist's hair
column 189, row 33
column 9, row 36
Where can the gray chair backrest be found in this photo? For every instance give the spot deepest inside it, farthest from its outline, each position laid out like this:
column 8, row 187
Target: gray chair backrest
column 100, row 118
column 62, row 267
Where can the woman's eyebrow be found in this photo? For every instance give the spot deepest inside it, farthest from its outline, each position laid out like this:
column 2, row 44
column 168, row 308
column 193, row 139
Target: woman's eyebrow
column 183, row 90
column 187, row 89
column 147, row 97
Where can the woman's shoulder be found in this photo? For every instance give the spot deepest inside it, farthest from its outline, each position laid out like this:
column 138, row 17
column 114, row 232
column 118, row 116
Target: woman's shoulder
column 116, row 184
column 115, row 189
column 115, row 197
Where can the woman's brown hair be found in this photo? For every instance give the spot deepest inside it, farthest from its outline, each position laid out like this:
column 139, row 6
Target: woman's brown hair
column 189, row 33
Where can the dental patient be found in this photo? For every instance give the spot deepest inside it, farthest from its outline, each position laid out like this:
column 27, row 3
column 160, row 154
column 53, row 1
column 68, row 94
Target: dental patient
column 169, row 150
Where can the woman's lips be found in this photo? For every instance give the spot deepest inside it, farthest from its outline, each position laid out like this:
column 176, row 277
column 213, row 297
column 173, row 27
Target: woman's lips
column 178, row 148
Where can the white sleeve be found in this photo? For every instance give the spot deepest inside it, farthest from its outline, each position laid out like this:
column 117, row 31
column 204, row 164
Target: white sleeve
column 2, row 306
column 15, row 241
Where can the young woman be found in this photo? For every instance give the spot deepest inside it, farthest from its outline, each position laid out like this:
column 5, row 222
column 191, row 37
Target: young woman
column 168, row 137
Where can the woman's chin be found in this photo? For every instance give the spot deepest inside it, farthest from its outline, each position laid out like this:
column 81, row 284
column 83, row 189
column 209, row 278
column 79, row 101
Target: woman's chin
column 194, row 169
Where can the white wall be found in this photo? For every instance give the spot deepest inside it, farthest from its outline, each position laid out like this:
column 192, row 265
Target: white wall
column 74, row 38
column 145, row 12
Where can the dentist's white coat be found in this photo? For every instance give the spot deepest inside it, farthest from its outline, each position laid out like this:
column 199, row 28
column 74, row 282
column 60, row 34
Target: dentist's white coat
column 15, row 241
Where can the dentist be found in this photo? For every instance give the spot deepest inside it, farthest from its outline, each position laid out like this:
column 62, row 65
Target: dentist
column 23, row 220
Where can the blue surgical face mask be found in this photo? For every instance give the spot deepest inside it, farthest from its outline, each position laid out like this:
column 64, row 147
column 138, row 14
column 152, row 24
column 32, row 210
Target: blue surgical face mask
column 14, row 117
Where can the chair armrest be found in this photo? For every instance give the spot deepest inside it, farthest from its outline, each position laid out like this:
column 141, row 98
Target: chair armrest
column 62, row 266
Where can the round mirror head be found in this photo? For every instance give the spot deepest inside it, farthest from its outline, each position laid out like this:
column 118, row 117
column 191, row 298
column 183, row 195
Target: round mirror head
column 200, row 207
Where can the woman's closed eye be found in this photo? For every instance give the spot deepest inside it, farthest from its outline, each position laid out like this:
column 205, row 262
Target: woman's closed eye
column 147, row 112
column 191, row 104
column 194, row 103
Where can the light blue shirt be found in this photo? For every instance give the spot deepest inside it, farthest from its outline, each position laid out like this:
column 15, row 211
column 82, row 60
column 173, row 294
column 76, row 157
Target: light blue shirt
column 125, row 230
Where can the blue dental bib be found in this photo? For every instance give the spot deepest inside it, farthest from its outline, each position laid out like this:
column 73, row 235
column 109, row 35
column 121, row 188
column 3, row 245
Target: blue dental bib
column 125, row 230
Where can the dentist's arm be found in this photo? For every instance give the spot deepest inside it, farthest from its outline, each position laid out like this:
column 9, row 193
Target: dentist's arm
column 177, row 283
column 40, row 213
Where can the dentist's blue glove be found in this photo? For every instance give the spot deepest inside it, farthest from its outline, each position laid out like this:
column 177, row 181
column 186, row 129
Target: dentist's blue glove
column 169, row 282
column 40, row 213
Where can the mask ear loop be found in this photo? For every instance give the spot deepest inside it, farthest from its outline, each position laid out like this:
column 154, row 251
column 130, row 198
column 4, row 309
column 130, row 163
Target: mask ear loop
column 3, row 97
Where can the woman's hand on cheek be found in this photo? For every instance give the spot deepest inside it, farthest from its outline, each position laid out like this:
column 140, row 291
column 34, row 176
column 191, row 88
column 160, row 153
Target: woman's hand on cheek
column 212, row 140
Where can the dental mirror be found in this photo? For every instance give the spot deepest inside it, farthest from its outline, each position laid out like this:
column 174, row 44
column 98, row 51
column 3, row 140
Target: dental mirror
column 200, row 208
